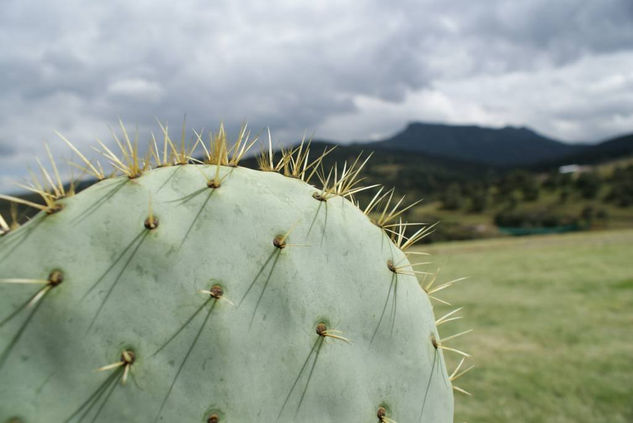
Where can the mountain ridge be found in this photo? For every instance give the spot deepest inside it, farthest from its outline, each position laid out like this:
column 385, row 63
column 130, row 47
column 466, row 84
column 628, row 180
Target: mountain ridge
column 607, row 150
column 504, row 147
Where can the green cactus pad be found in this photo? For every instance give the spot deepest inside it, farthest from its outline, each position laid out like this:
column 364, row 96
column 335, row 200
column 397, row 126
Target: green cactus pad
column 301, row 319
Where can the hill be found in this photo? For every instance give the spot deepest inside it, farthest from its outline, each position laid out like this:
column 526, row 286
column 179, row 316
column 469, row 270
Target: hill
column 611, row 149
column 508, row 146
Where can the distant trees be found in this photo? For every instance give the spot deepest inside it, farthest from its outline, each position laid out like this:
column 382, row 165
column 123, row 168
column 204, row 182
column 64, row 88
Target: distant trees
column 533, row 219
column 550, row 182
column 588, row 184
column 472, row 197
column 518, row 182
column 479, row 201
column 621, row 192
column 452, row 197
column 564, row 194
column 530, row 190
column 591, row 215
column 556, row 180
column 525, row 198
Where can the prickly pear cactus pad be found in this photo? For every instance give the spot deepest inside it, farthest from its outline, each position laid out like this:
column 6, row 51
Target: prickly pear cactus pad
column 202, row 291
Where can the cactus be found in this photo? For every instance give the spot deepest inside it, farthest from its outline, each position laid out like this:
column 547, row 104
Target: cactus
column 202, row 291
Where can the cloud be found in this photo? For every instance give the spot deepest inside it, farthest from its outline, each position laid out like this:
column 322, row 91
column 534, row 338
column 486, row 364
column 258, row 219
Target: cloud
column 6, row 149
column 135, row 88
column 600, row 107
column 341, row 69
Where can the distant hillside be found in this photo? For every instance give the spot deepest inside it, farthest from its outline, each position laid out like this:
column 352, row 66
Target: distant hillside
column 472, row 199
column 614, row 148
column 408, row 171
column 509, row 146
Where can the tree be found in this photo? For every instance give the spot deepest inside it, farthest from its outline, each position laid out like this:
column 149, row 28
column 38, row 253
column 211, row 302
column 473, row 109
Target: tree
column 479, row 201
column 452, row 197
column 588, row 184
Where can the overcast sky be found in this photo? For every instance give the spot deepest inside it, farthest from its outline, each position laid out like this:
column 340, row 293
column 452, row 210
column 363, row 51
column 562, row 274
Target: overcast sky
column 335, row 69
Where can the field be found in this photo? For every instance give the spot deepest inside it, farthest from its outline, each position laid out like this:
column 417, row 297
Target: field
column 552, row 320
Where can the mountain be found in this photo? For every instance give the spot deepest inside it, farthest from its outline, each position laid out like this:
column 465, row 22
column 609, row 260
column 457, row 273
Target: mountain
column 508, row 146
column 614, row 148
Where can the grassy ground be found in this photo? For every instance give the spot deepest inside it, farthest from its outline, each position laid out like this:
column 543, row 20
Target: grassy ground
column 553, row 326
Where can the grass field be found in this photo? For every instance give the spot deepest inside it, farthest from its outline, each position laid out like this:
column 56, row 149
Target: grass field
column 552, row 320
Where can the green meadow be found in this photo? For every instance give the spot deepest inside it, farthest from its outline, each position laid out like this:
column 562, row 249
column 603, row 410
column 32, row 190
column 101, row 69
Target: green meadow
column 552, row 320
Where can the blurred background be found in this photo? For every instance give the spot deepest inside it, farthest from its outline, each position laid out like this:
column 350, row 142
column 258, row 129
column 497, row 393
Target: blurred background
column 512, row 120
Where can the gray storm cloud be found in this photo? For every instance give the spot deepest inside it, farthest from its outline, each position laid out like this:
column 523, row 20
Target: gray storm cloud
column 342, row 70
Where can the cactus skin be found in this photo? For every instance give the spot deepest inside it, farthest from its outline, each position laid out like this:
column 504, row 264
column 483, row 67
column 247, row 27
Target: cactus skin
column 197, row 358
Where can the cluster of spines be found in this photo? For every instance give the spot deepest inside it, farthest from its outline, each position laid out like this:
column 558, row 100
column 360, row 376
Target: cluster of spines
column 4, row 226
column 295, row 162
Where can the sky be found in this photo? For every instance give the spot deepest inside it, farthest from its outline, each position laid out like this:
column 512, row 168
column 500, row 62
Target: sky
column 331, row 69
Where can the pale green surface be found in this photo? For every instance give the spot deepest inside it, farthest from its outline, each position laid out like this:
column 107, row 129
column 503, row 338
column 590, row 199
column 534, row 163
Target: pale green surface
column 553, row 327
column 248, row 355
